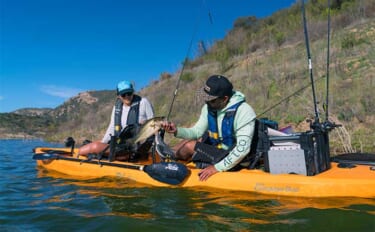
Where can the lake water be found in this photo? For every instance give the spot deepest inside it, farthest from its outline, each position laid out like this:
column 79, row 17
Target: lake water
column 33, row 199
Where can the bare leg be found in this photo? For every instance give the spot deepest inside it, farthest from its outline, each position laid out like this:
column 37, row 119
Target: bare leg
column 92, row 148
column 185, row 149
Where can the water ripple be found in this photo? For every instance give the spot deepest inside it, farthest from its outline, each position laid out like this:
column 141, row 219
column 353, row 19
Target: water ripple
column 34, row 199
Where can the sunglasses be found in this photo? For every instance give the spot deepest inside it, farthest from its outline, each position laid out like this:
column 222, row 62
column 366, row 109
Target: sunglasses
column 127, row 94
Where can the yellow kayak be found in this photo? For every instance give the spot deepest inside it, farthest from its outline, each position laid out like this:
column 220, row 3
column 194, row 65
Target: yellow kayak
column 356, row 181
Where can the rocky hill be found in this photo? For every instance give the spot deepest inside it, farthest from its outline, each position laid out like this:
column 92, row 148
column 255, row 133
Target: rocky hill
column 266, row 60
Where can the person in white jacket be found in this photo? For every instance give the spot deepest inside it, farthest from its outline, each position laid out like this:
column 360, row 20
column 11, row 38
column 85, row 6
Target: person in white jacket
column 132, row 110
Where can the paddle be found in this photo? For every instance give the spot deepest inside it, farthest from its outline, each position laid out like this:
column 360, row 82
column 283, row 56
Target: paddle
column 167, row 172
column 54, row 151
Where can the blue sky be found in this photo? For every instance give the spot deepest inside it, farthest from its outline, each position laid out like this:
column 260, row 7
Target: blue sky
column 50, row 50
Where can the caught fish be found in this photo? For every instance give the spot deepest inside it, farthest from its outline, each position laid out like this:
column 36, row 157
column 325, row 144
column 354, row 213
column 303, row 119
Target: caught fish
column 149, row 128
column 152, row 127
column 164, row 151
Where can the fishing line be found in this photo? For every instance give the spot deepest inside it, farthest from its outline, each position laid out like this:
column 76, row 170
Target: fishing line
column 309, row 61
column 185, row 61
column 286, row 98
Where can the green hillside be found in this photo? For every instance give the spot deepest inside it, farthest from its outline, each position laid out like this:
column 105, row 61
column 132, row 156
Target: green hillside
column 266, row 60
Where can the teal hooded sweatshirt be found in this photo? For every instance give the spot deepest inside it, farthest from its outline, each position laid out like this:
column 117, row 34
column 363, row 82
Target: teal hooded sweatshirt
column 243, row 126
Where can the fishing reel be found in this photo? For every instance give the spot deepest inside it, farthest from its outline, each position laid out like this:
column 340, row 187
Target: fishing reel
column 326, row 126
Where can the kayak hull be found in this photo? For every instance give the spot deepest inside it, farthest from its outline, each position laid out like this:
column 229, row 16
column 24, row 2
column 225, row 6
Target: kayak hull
column 358, row 181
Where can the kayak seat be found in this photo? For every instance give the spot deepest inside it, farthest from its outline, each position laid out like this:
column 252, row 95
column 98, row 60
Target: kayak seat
column 70, row 142
column 259, row 145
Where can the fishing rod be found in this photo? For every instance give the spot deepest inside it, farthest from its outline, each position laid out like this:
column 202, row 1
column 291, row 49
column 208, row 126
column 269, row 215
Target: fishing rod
column 185, row 60
column 309, row 61
column 321, row 138
column 327, row 125
column 325, row 107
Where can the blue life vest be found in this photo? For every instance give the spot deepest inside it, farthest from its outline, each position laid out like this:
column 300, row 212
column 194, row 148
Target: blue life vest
column 226, row 127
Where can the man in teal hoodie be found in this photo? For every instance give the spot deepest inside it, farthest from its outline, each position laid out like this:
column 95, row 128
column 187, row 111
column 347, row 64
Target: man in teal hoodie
column 222, row 136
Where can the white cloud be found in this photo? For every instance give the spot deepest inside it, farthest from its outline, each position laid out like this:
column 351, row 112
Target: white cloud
column 60, row 91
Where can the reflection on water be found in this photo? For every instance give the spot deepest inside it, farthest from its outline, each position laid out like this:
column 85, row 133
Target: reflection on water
column 34, row 199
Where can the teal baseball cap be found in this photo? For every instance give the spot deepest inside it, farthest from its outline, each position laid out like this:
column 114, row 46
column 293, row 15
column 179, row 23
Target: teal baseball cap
column 124, row 87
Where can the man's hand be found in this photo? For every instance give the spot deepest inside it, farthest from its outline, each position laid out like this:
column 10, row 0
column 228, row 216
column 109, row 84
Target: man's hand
column 204, row 174
column 169, row 127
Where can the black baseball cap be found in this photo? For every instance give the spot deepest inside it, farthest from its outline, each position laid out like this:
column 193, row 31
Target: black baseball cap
column 216, row 86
